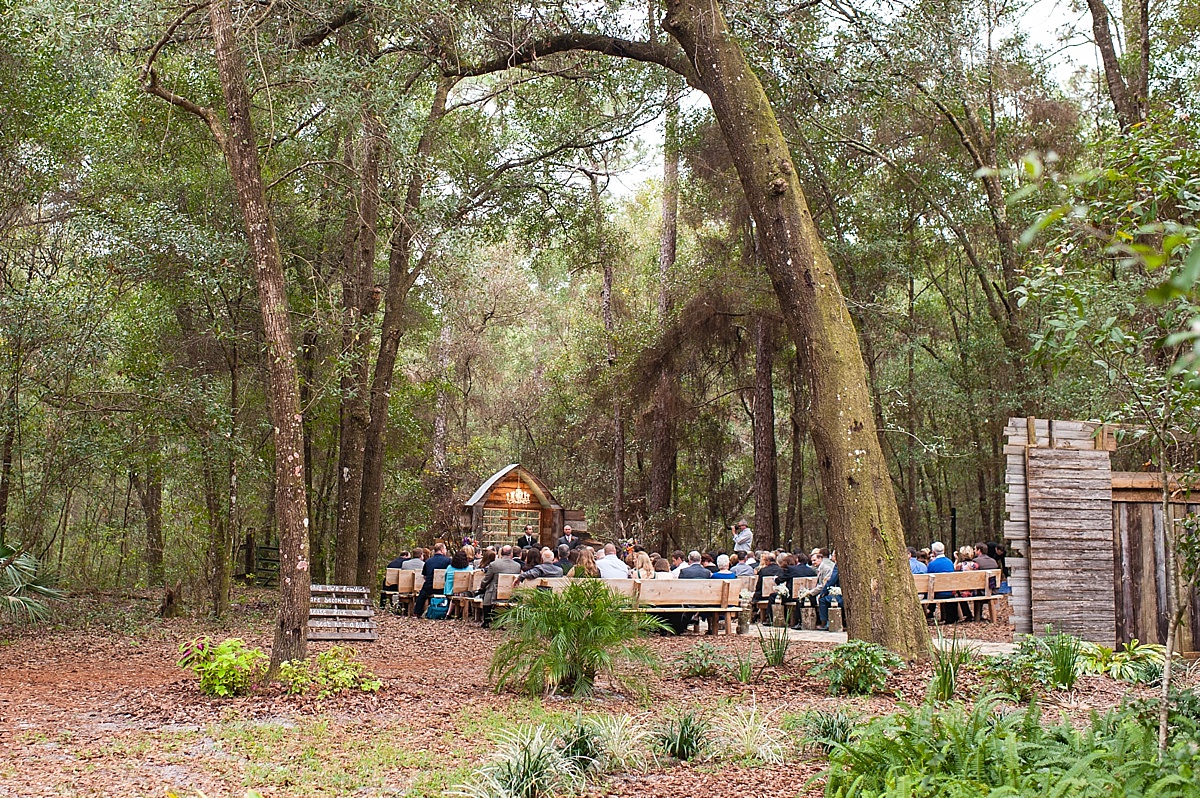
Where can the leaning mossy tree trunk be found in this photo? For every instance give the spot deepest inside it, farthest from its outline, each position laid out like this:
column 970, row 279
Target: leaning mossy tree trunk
column 865, row 521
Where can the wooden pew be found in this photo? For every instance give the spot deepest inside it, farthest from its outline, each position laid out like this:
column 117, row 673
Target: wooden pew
column 464, row 589
column 981, row 581
column 708, row 596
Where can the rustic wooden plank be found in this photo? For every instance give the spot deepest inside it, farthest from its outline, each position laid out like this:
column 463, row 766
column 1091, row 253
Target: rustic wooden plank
column 338, row 589
column 366, row 636
column 339, row 623
column 321, row 612
column 351, row 602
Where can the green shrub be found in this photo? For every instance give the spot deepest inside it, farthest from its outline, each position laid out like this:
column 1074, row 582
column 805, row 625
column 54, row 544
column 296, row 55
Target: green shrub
column 950, row 751
column 1132, row 662
column 1019, row 675
column 25, row 586
column 684, row 736
column 702, row 659
column 561, row 642
column 227, row 669
column 775, row 645
column 947, row 661
column 856, row 667
column 530, row 763
column 330, row 672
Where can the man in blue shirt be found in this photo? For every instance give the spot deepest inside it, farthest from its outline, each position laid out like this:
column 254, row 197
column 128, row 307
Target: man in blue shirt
column 941, row 564
column 438, row 561
column 915, row 565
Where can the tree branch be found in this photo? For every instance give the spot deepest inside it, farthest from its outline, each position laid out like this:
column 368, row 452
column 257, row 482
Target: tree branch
column 152, row 86
column 167, row 34
column 350, row 14
column 671, row 58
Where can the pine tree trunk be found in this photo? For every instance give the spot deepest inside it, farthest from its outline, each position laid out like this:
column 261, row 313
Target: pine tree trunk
column 241, row 151
column 401, row 276
column 149, row 492
column 861, row 506
column 766, row 481
column 357, row 309
column 662, row 442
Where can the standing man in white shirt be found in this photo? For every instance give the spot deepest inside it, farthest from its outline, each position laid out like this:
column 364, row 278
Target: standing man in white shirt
column 743, row 537
column 610, row 565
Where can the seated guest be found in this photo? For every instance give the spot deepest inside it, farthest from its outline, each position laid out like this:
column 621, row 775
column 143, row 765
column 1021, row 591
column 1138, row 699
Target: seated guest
column 438, row 561
column 984, row 559
column 739, row 566
column 724, row 571
column 487, row 558
column 707, row 561
column 546, row 569
column 459, row 563
column 824, row 566
column 585, row 565
column 399, row 561
column 939, row 563
column 611, row 566
column 643, row 567
column 915, row 565
column 827, row 599
column 503, row 564
column 416, row 562
column 964, row 561
column 678, row 562
column 769, row 568
column 662, row 569
column 564, row 559
column 694, row 569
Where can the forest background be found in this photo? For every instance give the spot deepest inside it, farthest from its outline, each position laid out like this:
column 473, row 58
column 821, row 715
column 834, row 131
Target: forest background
column 469, row 283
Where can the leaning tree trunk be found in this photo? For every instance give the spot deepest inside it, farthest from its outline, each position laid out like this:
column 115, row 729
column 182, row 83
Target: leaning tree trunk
column 766, row 479
column 881, row 603
column 149, row 492
column 401, row 276
column 241, row 151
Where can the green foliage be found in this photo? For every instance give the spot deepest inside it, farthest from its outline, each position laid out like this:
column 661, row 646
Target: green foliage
column 1065, row 654
column 1130, row 662
column 855, row 667
column 824, row 729
column 25, row 586
column 1021, row 674
column 704, row 660
column 952, row 751
column 530, row 763
column 947, row 662
column 747, row 734
column 685, row 736
column 330, row 672
column 774, row 645
column 562, row 642
column 622, row 743
column 743, row 667
column 226, row 669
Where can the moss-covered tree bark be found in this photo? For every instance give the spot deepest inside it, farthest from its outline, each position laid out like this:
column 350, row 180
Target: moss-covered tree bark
column 861, row 506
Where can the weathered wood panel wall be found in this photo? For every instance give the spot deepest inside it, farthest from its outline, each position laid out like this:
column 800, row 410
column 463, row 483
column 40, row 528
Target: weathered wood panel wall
column 1139, row 544
column 1070, row 542
column 1023, row 435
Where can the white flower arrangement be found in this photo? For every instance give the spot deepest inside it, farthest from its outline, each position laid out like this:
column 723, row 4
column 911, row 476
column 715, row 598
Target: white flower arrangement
column 835, row 591
column 782, row 591
column 746, row 595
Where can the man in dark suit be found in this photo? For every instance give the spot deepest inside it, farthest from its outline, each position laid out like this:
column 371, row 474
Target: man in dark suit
column 504, row 564
column 527, row 539
column 769, row 568
column 569, row 538
column 695, row 570
column 438, row 561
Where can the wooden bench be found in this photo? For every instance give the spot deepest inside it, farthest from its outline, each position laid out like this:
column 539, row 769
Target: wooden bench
column 340, row 612
column 799, row 584
column 980, row 582
column 397, row 586
column 464, row 589
column 505, row 584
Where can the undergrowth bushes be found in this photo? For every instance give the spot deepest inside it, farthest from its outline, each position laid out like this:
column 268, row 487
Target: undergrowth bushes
column 228, row 668
column 329, row 673
column 855, row 667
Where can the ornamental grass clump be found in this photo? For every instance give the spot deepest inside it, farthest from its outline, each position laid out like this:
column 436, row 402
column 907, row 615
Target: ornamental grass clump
column 824, row 729
column 564, row 642
column 530, row 763
column 748, row 734
column 685, row 736
column 948, row 660
column 855, row 667
column 774, row 646
column 702, row 660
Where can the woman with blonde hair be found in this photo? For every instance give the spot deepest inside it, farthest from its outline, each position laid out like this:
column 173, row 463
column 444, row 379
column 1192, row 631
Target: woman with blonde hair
column 585, row 566
column 964, row 560
column 642, row 567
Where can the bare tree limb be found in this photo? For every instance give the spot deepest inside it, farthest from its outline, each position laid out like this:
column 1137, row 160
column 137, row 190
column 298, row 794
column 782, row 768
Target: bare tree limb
column 152, row 86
